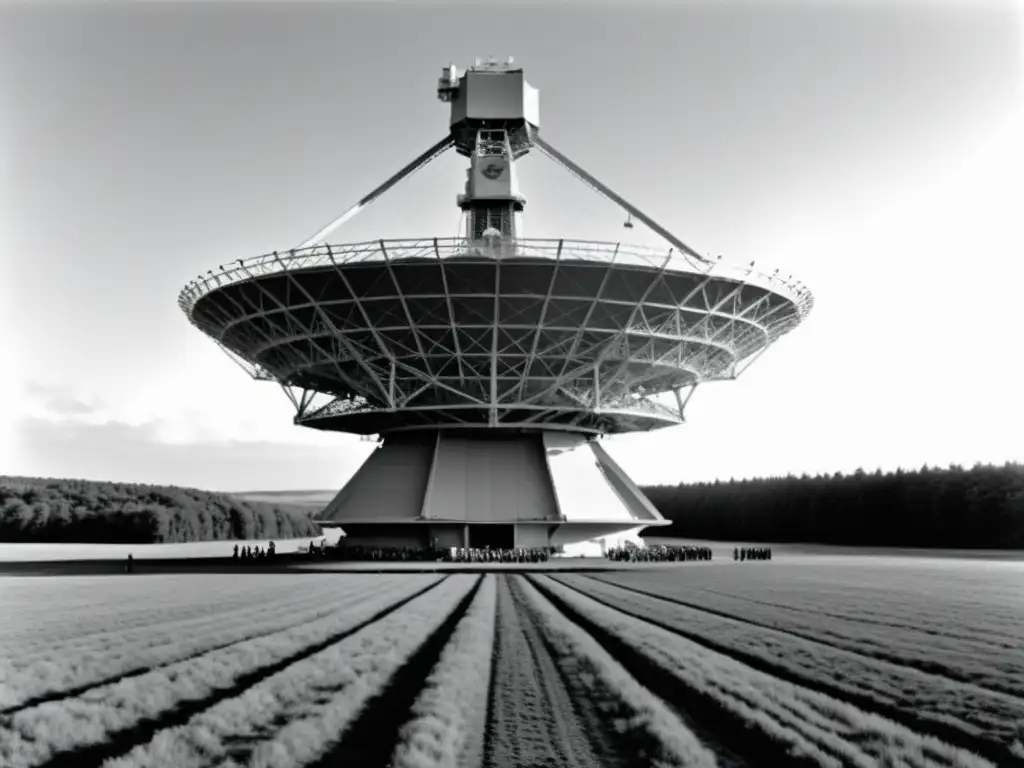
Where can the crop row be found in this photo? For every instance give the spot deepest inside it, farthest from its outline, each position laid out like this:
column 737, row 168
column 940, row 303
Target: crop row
column 864, row 581
column 808, row 724
column 64, row 672
column 994, row 627
column 939, row 606
column 450, row 713
column 34, row 735
column 304, row 676
column 449, row 717
column 973, row 662
column 299, row 714
column 925, row 614
column 641, row 718
column 92, row 649
column 91, row 616
column 920, row 699
column 104, row 604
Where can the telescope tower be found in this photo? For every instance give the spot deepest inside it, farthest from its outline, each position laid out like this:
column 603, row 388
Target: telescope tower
column 487, row 366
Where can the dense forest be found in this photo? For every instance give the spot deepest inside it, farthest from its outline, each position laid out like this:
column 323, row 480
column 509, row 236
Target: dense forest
column 981, row 507
column 41, row 510
column 957, row 508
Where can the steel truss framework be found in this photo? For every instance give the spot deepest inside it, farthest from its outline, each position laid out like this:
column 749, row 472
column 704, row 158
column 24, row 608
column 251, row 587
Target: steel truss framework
column 552, row 334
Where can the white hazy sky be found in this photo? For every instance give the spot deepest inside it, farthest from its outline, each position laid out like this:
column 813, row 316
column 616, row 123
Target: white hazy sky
column 872, row 149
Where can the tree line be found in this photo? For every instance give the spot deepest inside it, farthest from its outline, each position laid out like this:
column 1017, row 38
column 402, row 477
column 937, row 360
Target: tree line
column 45, row 510
column 957, row 508
column 980, row 508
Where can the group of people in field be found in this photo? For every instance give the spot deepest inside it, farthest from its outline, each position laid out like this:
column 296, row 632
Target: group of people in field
column 499, row 555
column 447, row 555
column 361, row 552
column 658, row 553
column 630, row 553
column 318, row 548
column 752, row 553
column 249, row 552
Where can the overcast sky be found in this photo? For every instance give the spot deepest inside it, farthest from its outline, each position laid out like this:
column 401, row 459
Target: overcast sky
column 872, row 149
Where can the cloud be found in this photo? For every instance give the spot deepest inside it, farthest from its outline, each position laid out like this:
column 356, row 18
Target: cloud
column 119, row 451
column 181, row 415
column 59, row 401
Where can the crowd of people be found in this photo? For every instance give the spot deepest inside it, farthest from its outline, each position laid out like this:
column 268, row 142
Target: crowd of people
column 628, row 553
column 359, row 552
column 249, row 552
column 487, row 555
column 752, row 553
column 658, row 553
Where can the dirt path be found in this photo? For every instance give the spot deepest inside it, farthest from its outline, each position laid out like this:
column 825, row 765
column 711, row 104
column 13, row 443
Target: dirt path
column 533, row 720
column 731, row 741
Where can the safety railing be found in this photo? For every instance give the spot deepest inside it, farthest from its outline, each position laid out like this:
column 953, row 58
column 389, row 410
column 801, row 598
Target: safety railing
column 397, row 251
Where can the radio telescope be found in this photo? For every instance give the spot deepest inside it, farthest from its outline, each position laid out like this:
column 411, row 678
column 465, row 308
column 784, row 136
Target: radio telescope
column 488, row 365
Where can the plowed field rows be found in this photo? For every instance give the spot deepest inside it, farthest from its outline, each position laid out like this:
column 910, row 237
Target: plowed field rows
column 730, row 665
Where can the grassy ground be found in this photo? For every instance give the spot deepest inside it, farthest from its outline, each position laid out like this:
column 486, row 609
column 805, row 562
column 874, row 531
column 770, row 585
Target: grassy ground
column 805, row 660
column 14, row 553
column 723, row 549
column 215, row 557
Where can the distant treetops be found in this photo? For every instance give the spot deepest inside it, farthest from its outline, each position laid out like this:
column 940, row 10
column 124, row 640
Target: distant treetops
column 953, row 508
column 48, row 510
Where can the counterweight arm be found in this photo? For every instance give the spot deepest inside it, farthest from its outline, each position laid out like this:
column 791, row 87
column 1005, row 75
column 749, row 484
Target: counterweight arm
column 586, row 178
column 446, row 143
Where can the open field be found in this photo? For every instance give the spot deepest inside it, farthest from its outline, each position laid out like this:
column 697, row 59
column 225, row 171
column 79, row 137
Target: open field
column 313, row 500
column 13, row 554
column 804, row 550
column 41, row 553
column 805, row 661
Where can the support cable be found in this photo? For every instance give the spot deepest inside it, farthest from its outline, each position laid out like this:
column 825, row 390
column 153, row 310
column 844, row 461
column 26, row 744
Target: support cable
column 585, row 177
column 438, row 149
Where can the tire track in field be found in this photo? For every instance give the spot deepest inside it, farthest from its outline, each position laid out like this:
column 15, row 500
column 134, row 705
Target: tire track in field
column 533, row 720
column 599, row 730
column 947, row 675
column 728, row 736
column 369, row 741
column 70, row 693
column 984, row 747
column 603, row 707
column 124, row 741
